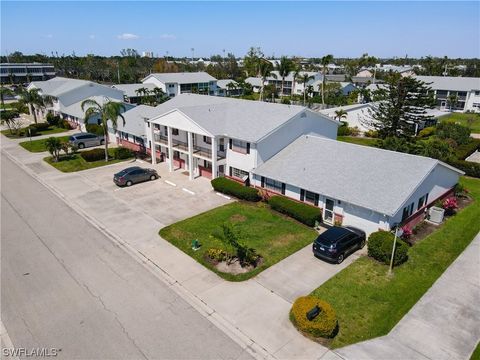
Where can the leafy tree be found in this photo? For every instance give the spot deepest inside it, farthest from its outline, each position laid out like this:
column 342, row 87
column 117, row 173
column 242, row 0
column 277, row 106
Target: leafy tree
column 108, row 111
column 399, row 105
column 284, row 67
column 5, row 92
column 435, row 148
column 304, row 78
column 265, row 69
column 230, row 236
column 252, row 61
column 10, row 118
column 327, row 59
column 450, row 130
column 54, row 146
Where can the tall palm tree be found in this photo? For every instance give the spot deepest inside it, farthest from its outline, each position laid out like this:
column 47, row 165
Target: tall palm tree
column 33, row 100
column 304, row 78
column 265, row 68
column 327, row 59
column 159, row 94
column 5, row 92
column 284, row 67
column 108, row 111
column 142, row 93
column 340, row 114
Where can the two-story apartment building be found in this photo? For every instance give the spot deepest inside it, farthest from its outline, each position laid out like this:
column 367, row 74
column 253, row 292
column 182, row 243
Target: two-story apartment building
column 217, row 136
column 466, row 89
column 17, row 73
column 174, row 84
column 291, row 84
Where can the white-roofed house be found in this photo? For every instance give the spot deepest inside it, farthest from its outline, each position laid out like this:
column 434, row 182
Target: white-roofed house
column 69, row 93
column 215, row 136
column 174, row 84
column 467, row 90
column 356, row 185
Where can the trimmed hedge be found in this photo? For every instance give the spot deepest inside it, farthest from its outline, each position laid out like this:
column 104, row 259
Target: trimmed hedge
column 230, row 187
column 380, row 245
column 464, row 151
column 304, row 213
column 470, row 168
column 40, row 126
column 122, row 153
column 93, row 155
column 325, row 325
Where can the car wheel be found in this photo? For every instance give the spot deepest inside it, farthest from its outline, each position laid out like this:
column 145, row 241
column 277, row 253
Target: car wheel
column 153, row 177
column 81, row 146
column 129, row 183
column 362, row 244
column 102, row 142
column 340, row 258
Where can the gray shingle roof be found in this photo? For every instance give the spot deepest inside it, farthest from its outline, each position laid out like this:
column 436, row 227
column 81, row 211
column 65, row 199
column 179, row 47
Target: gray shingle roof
column 241, row 119
column 135, row 120
column 182, row 78
column 75, row 109
column 58, row 85
column 451, row 82
column 222, row 84
column 130, row 89
column 372, row 178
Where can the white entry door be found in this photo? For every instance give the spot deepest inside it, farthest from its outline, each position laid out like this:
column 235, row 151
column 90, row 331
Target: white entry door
column 328, row 215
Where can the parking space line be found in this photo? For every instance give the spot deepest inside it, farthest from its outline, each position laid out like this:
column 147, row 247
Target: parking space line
column 170, row 183
column 224, row 196
column 188, row 191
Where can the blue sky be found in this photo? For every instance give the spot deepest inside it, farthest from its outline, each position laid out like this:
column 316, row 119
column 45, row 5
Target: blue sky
column 344, row 29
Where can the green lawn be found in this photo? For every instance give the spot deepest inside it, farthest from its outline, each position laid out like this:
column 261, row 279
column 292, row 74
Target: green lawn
column 476, row 353
column 369, row 303
column 464, row 119
column 38, row 145
column 358, row 140
column 273, row 235
column 51, row 130
column 75, row 162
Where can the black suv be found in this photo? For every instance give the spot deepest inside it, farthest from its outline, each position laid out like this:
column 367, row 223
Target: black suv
column 337, row 242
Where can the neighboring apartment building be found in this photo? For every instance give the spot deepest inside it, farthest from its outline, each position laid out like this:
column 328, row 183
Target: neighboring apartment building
column 224, row 88
column 131, row 93
column 68, row 95
column 356, row 185
column 20, row 73
column 466, row 89
column 291, row 85
column 217, row 136
column 174, row 84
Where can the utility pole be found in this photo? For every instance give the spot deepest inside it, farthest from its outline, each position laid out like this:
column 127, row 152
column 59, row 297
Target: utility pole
column 193, row 50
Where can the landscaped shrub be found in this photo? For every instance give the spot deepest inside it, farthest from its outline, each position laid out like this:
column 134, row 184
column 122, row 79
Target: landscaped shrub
column 325, row 325
column 53, row 120
column 304, row 213
column 94, row 129
column 470, row 168
column 40, row 126
column 217, row 254
column 230, row 187
column 451, row 130
column 122, row 153
column 29, row 131
column 371, row 133
column 64, row 124
column 465, row 150
column 450, row 205
column 426, row 132
column 380, row 245
column 93, row 155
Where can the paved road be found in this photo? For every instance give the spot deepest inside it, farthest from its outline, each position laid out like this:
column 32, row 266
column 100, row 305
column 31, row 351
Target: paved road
column 65, row 285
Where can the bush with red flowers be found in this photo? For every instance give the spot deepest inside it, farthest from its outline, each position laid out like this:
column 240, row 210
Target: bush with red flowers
column 450, row 205
column 407, row 232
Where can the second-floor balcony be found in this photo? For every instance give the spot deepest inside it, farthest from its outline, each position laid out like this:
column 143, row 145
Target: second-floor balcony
column 161, row 138
column 182, row 145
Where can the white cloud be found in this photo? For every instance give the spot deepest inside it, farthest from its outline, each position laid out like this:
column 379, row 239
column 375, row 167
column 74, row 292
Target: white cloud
column 168, row 36
column 91, row 36
column 127, row 36
column 48, row 36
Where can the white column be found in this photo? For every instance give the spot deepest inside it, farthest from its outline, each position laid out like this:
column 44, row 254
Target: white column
column 214, row 157
column 190, row 155
column 170, row 149
column 153, row 150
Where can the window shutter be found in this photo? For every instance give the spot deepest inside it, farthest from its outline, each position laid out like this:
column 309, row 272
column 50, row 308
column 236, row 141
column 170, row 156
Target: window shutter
column 248, row 148
column 302, row 194
column 283, row 188
column 230, row 141
column 263, row 181
column 230, row 169
column 316, row 199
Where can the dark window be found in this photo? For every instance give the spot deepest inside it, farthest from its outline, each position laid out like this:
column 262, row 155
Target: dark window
column 174, row 131
column 207, row 139
column 274, row 185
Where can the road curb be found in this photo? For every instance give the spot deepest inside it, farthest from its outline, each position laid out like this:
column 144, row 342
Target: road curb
column 233, row 332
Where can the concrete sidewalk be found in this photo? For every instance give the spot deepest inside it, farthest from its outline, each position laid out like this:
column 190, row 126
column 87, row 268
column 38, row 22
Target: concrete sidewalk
column 444, row 324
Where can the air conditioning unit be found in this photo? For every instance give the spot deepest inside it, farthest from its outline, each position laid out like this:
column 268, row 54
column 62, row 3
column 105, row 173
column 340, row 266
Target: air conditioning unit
column 436, row 214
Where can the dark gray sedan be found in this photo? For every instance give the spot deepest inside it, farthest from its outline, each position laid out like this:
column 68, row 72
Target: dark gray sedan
column 133, row 175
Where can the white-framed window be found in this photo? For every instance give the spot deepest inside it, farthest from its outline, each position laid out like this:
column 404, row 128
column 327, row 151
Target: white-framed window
column 273, row 185
column 310, row 197
column 238, row 173
column 240, row 146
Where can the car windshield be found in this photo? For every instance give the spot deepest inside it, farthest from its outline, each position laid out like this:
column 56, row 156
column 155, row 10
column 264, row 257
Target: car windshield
column 126, row 171
column 331, row 236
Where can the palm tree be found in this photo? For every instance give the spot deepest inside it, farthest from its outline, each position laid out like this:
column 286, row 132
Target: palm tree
column 159, row 94
column 327, row 59
column 54, row 145
column 142, row 93
column 9, row 118
column 4, row 92
column 32, row 99
column 108, row 111
column 340, row 114
column 304, row 78
column 265, row 68
column 284, row 67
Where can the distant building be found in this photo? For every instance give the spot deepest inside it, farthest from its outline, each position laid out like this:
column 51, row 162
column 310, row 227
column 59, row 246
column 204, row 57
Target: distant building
column 466, row 89
column 174, row 84
column 18, row 73
column 224, row 89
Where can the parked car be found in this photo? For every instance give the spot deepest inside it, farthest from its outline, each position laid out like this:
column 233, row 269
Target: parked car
column 133, row 175
column 337, row 242
column 83, row 140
